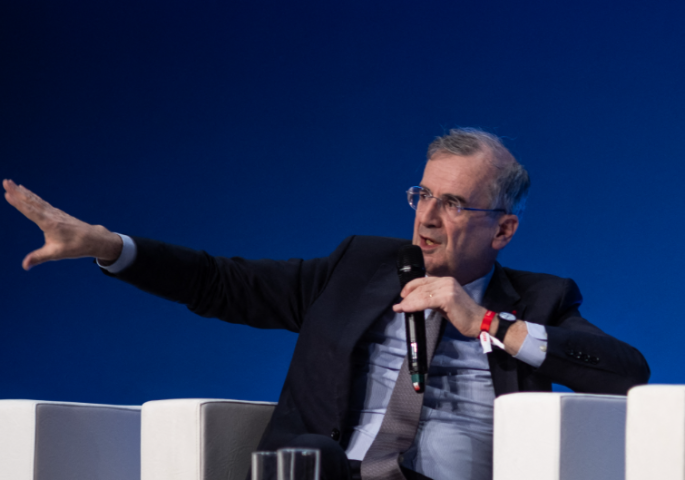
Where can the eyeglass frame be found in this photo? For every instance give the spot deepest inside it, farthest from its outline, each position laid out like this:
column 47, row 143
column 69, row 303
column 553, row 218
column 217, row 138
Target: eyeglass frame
column 441, row 201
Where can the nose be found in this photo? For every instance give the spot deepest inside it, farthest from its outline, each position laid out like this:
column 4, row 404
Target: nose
column 431, row 213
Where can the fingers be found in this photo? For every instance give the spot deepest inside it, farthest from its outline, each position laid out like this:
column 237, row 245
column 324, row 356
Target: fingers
column 414, row 284
column 415, row 304
column 421, row 294
column 27, row 202
column 10, row 189
column 65, row 236
column 411, row 305
column 44, row 215
column 429, row 286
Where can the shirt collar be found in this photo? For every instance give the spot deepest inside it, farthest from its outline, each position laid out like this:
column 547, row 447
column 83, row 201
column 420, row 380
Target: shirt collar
column 476, row 289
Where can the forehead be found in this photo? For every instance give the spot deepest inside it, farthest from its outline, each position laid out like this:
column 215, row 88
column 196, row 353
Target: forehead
column 467, row 177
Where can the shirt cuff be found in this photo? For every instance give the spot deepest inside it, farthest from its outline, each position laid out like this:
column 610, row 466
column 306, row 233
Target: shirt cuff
column 126, row 258
column 534, row 348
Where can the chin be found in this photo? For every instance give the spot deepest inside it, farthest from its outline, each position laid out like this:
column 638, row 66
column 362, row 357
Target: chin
column 435, row 270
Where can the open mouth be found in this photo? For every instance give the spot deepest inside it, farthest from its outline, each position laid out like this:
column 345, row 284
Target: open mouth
column 428, row 242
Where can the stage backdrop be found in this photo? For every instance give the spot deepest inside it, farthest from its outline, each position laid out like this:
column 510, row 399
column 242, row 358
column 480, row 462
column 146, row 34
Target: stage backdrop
column 277, row 128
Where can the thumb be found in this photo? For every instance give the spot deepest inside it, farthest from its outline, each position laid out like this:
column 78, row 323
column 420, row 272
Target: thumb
column 42, row 255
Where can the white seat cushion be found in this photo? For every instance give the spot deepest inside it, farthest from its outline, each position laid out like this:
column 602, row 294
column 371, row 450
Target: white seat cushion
column 67, row 441
column 559, row 436
column 655, row 433
column 201, row 439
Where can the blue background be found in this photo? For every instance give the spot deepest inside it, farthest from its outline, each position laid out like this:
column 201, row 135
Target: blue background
column 275, row 129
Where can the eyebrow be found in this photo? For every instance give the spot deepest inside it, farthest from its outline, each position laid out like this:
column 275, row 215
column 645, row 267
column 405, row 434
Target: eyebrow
column 450, row 196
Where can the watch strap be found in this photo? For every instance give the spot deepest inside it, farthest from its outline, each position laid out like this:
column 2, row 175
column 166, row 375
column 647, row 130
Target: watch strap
column 502, row 328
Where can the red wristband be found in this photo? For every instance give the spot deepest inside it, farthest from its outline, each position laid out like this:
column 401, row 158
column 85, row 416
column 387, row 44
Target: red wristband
column 487, row 320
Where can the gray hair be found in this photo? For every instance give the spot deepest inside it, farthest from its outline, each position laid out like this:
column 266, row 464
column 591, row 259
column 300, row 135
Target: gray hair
column 510, row 188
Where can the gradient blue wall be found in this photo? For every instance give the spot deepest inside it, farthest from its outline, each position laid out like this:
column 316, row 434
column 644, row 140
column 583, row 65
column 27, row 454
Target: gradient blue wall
column 276, row 129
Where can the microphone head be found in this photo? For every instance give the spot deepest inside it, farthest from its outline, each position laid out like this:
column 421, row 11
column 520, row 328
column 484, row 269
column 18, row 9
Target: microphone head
column 410, row 264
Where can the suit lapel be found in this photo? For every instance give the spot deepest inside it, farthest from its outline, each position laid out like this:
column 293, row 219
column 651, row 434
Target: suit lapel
column 375, row 299
column 500, row 296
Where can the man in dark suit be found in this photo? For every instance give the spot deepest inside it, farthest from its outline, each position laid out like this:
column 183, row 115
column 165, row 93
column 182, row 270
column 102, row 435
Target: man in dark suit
column 348, row 311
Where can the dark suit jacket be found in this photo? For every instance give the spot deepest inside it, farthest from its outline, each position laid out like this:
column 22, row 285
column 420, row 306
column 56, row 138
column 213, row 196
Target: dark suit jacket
column 331, row 302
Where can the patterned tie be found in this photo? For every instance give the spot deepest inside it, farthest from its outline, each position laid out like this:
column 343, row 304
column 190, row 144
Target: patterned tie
column 401, row 420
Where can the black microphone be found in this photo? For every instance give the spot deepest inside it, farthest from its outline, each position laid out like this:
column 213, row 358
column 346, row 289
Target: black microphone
column 409, row 267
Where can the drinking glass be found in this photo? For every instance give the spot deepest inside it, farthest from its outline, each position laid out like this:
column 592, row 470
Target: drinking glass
column 264, row 466
column 298, row 464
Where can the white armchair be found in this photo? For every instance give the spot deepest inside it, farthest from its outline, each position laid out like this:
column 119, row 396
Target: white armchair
column 189, row 439
column 201, row 439
column 559, row 436
column 655, row 436
column 538, row 436
column 68, row 441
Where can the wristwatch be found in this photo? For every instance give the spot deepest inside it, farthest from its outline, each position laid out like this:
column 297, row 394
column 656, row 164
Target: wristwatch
column 506, row 320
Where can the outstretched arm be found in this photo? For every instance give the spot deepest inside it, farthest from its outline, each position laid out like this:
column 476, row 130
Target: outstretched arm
column 65, row 236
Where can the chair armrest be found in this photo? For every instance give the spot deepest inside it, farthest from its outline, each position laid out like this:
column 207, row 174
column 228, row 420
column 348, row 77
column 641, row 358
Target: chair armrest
column 201, row 439
column 65, row 441
column 655, row 432
column 557, row 436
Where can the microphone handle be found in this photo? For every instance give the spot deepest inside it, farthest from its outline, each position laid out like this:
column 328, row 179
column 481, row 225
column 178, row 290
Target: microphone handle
column 415, row 325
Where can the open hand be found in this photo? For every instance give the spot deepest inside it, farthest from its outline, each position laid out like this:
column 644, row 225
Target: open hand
column 65, row 236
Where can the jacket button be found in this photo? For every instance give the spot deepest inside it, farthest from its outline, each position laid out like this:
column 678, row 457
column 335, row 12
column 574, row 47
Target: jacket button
column 335, row 434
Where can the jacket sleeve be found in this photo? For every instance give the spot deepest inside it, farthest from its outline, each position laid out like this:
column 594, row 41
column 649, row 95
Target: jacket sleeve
column 583, row 357
column 259, row 293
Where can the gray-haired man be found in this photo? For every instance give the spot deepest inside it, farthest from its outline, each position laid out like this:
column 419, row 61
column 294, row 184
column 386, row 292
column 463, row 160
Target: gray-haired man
column 350, row 317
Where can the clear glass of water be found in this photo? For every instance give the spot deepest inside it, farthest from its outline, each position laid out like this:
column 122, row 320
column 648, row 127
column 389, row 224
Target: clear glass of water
column 298, row 464
column 264, row 466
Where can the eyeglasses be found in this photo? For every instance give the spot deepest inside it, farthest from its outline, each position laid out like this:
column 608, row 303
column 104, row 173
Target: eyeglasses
column 418, row 198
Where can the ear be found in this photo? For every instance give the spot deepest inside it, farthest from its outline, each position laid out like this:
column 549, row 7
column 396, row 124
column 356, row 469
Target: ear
column 506, row 228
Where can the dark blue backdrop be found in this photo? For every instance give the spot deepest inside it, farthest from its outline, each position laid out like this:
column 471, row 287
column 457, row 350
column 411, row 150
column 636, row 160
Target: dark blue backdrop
column 275, row 129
